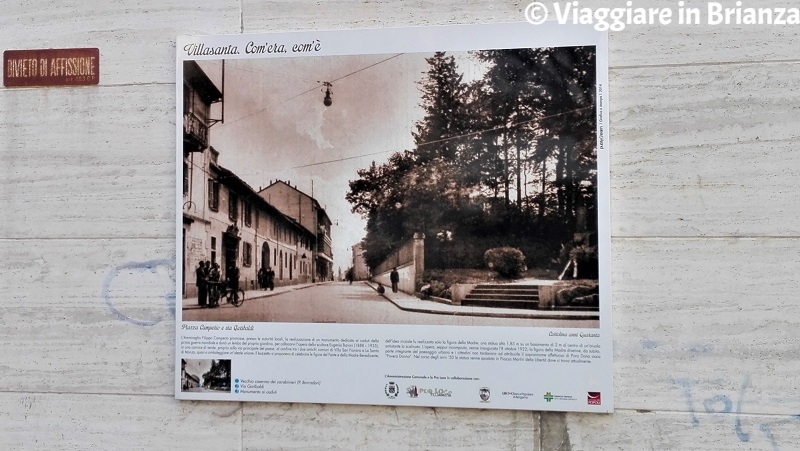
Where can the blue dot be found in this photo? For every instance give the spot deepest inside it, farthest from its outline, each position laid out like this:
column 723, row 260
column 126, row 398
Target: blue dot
column 237, row 381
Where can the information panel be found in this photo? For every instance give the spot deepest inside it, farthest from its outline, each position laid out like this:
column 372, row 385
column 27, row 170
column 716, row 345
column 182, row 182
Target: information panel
column 412, row 216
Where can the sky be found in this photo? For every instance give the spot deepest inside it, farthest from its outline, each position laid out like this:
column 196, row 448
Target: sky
column 276, row 126
column 198, row 367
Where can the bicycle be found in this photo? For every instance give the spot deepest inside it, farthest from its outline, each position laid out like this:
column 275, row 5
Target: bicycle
column 220, row 289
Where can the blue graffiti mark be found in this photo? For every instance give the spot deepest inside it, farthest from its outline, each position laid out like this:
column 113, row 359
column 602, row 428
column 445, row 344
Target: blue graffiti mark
column 146, row 266
column 722, row 404
column 650, row 344
column 743, row 437
column 709, row 404
column 702, row 349
column 766, row 429
column 686, row 386
column 169, row 298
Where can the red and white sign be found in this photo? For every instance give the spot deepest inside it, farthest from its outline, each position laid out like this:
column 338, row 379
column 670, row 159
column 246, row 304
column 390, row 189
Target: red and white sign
column 51, row 67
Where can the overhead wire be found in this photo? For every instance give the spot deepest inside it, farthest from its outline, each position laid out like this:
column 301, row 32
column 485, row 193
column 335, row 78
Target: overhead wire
column 319, row 85
column 271, row 74
column 436, row 141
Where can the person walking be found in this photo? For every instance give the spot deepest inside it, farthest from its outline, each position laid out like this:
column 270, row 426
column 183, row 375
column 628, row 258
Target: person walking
column 270, row 279
column 262, row 278
column 202, row 286
column 233, row 280
column 394, row 277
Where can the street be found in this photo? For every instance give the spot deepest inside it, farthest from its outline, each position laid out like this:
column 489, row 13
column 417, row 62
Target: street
column 205, row 390
column 340, row 302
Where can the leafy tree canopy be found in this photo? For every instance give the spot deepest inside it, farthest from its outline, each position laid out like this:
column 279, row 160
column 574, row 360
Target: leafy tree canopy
column 508, row 159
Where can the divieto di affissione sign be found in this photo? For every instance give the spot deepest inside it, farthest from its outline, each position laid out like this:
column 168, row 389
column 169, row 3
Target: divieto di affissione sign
column 51, row 67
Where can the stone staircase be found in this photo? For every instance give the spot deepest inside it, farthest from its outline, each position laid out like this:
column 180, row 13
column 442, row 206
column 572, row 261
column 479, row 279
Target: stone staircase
column 504, row 295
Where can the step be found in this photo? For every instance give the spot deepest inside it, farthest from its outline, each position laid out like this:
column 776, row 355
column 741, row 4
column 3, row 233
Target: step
column 511, row 296
column 503, row 296
column 507, row 286
column 485, row 291
column 496, row 291
column 519, row 304
column 523, row 305
column 527, row 297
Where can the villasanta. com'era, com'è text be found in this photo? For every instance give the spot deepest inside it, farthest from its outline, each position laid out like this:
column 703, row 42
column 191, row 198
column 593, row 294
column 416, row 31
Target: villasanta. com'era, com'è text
column 617, row 18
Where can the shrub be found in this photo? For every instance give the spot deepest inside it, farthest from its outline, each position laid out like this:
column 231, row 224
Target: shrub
column 438, row 289
column 507, row 261
column 583, row 253
column 586, row 258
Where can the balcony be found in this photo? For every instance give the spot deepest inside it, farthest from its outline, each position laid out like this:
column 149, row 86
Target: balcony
column 195, row 133
column 324, row 247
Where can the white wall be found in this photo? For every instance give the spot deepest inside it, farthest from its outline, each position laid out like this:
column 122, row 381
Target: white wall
column 407, row 279
column 705, row 217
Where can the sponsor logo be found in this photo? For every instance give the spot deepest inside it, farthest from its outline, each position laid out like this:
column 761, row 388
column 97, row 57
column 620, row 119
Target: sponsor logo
column 549, row 397
column 391, row 390
column 484, row 394
column 436, row 392
column 518, row 395
column 415, row 392
column 412, row 391
column 593, row 398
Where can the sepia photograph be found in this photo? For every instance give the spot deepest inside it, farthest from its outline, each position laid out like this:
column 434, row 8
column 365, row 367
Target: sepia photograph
column 206, row 375
column 453, row 188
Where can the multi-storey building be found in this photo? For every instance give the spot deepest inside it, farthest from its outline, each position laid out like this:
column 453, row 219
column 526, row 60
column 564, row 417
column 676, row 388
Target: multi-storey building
column 247, row 232
column 307, row 212
column 188, row 381
column 225, row 221
column 199, row 93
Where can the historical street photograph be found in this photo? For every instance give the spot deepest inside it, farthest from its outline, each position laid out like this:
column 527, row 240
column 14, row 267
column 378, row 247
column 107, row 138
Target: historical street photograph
column 206, row 375
column 441, row 188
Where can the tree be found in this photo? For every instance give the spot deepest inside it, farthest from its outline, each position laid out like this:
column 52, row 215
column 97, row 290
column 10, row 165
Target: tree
column 567, row 80
column 505, row 160
column 438, row 136
column 377, row 195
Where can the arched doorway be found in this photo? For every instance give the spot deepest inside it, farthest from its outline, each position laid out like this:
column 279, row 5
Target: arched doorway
column 230, row 248
column 265, row 256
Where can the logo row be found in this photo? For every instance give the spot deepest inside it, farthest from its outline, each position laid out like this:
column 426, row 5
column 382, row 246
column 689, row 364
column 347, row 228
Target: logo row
column 392, row 391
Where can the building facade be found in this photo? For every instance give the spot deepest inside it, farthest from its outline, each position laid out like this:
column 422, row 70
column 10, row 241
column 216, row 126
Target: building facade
column 199, row 93
column 225, row 221
column 247, row 232
column 188, row 381
column 307, row 212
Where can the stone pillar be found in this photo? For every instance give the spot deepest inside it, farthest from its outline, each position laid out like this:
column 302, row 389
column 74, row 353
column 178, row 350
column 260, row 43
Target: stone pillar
column 419, row 256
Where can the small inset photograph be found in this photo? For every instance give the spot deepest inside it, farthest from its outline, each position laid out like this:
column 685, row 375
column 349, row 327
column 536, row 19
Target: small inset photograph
column 206, row 375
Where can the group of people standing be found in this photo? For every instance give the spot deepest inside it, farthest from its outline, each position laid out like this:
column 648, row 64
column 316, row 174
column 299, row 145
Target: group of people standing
column 266, row 278
column 205, row 273
column 208, row 273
